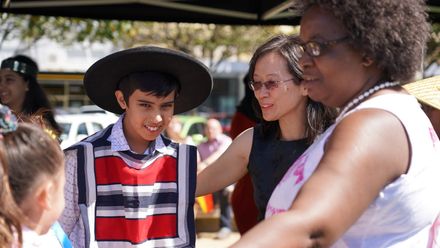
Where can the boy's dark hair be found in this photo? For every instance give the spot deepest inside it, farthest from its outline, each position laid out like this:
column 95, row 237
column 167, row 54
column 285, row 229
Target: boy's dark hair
column 158, row 83
column 31, row 152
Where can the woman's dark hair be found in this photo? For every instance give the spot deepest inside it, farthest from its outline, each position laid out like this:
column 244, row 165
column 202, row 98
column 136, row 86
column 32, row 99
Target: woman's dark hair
column 318, row 116
column 10, row 220
column 246, row 104
column 36, row 100
column 32, row 152
column 391, row 32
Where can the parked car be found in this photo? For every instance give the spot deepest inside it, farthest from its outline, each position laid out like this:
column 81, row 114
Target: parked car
column 76, row 127
column 193, row 126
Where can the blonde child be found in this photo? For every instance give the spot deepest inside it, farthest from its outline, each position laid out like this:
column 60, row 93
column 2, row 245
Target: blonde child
column 36, row 177
column 10, row 230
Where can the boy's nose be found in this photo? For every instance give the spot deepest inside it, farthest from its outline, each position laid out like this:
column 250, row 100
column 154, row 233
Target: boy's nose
column 157, row 118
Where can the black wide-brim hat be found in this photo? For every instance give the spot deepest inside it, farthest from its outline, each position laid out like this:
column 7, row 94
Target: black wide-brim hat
column 102, row 78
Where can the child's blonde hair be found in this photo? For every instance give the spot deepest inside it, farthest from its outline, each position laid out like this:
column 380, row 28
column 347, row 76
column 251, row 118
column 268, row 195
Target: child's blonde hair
column 30, row 153
column 9, row 212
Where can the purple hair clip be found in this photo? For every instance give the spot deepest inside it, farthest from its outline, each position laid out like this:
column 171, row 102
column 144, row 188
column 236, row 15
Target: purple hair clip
column 8, row 121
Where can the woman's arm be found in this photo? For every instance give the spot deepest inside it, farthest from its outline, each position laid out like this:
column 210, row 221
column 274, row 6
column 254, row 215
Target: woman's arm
column 228, row 168
column 367, row 150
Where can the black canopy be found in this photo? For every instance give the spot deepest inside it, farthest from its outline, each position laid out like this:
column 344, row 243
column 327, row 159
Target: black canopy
column 235, row 12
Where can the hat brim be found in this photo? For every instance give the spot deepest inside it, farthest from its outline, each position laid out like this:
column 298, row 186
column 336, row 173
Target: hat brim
column 102, row 78
column 426, row 91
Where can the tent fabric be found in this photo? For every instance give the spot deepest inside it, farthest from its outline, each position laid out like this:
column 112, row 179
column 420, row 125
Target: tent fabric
column 234, row 12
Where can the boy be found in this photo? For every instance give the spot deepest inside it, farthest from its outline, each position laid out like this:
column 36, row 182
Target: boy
column 127, row 185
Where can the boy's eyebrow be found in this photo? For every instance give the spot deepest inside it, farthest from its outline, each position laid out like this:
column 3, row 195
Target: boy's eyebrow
column 169, row 102
column 149, row 102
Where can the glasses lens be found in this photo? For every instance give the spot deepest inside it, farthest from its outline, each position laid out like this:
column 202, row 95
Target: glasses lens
column 313, row 48
column 271, row 84
column 299, row 50
column 255, row 85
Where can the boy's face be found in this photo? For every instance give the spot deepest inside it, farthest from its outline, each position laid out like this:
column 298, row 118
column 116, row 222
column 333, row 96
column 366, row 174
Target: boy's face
column 146, row 116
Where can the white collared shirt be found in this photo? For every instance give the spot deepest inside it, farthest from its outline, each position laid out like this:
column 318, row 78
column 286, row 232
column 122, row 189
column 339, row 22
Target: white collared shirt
column 119, row 142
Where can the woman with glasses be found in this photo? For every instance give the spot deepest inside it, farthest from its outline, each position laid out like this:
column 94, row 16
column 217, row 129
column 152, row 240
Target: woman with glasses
column 290, row 123
column 371, row 179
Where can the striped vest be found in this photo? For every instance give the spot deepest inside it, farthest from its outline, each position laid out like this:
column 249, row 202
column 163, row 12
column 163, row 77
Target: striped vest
column 125, row 207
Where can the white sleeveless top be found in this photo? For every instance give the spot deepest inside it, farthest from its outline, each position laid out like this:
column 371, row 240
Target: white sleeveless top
column 404, row 213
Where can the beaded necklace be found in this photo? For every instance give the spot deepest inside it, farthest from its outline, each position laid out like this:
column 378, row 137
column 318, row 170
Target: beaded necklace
column 363, row 96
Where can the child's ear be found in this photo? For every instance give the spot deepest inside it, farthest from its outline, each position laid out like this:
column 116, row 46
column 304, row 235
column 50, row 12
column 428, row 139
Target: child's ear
column 44, row 194
column 120, row 98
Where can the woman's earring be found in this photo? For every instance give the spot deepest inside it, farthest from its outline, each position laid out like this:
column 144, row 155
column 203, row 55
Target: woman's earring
column 304, row 91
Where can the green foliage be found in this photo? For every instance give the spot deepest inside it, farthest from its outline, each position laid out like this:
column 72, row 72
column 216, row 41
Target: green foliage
column 209, row 41
column 433, row 52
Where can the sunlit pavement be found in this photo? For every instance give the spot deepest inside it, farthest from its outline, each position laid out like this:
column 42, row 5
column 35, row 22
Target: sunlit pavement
column 207, row 240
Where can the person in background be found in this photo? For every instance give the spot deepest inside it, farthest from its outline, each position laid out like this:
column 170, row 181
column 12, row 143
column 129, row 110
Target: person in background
column 10, row 216
column 21, row 92
column 290, row 122
column 242, row 198
column 128, row 185
column 36, row 177
column 209, row 151
column 372, row 178
column 428, row 93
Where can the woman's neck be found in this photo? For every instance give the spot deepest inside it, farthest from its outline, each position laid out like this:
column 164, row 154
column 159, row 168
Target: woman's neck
column 17, row 108
column 293, row 125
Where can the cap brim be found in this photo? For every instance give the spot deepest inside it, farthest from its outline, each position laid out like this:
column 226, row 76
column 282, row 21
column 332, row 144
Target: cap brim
column 102, row 78
column 426, row 91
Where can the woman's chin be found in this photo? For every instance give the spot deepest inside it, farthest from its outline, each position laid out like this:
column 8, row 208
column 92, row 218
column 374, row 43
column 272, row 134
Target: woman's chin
column 269, row 118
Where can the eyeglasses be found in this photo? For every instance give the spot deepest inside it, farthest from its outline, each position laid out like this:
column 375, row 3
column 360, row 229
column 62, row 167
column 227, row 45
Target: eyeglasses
column 315, row 48
column 269, row 85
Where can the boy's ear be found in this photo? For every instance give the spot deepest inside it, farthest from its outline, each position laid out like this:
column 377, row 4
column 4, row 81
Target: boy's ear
column 120, row 98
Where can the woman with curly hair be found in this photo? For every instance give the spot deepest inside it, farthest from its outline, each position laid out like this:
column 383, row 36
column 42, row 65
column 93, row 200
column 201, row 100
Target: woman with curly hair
column 371, row 179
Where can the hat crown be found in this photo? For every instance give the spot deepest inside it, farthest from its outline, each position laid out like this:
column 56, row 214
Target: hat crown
column 102, row 78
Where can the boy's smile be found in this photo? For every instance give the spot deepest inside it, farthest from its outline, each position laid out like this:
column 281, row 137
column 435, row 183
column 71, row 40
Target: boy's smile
column 146, row 116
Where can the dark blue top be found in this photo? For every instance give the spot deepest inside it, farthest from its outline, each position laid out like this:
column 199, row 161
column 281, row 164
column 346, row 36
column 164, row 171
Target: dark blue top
column 268, row 162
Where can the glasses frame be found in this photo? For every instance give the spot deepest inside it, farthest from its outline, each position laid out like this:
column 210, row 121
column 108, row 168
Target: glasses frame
column 309, row 46
column 264, row 84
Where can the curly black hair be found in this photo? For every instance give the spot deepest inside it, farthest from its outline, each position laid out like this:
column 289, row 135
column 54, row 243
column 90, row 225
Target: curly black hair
column 393, row 33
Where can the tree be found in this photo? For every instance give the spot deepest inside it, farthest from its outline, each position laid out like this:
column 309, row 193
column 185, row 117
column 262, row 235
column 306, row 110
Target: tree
column 433, row 52
column 206, row 41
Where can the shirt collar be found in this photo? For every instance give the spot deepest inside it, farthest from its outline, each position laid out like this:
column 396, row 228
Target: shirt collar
column 119, row 142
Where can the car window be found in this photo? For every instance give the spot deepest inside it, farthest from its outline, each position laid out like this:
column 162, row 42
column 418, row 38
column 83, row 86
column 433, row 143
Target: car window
column 196, row 128
column 96, row 127
column 82, row 129
column 65, row 128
